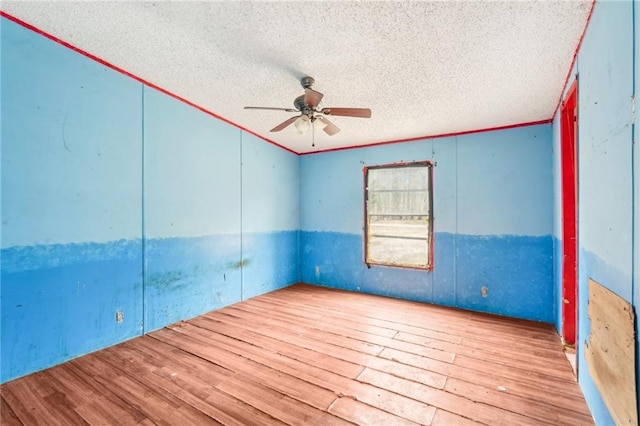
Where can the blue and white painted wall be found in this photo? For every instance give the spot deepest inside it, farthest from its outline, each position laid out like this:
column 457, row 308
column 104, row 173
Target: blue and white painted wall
column 270, row 217
column 118, row 198
column 608, row 179
column 71, row 203
column 493, row 207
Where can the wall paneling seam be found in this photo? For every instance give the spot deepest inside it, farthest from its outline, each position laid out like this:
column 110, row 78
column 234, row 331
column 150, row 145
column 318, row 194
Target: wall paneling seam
column 143, row 228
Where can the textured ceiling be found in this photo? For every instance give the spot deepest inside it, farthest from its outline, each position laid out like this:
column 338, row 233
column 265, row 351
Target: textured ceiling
column 424, row 68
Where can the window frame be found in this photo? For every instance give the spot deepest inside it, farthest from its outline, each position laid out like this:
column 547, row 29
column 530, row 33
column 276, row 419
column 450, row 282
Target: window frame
column 430, row 260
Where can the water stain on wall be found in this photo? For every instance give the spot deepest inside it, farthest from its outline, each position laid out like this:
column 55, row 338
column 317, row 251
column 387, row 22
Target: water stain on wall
column 240, row 264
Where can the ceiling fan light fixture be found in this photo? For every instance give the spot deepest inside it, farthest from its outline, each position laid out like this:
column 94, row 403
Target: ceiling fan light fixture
column 319, row 123
column 302, row 124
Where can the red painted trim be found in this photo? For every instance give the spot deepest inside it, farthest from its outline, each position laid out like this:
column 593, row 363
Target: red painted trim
column 135, row 77
column 443, row 135
column 575, row 58
column 365, row 251
column 568, row 151
column 365, row 171
column 432, row 222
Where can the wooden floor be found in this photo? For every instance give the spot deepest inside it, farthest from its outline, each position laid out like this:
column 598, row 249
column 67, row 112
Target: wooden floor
column 310, row 355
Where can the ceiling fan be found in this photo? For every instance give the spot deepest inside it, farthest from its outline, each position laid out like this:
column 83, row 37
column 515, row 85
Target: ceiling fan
column 307, row 106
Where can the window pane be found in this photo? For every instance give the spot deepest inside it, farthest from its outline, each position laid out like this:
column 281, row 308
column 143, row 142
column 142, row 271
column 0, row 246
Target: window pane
column 398, row 222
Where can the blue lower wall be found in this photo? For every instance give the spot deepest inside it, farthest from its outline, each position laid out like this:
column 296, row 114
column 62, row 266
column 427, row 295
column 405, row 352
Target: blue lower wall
column 186, row 277
column 557, row 286
column 517, row 270
column 270, row 261
column 60, row 301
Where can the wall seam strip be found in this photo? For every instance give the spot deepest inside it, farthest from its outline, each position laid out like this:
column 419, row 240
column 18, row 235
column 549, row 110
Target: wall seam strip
column 241, row 220
column 143, row 228
column 433, row 227
column 299, row 219
column 633, row 151
column 455, row 236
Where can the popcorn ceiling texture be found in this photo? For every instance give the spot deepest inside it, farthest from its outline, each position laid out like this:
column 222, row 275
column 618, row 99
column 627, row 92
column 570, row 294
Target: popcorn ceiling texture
column 424, row 68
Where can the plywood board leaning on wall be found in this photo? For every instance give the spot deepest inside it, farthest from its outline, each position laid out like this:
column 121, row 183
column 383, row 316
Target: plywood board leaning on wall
column 610, row 352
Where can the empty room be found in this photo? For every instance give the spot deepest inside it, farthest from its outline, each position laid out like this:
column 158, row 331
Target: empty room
column 373, row 213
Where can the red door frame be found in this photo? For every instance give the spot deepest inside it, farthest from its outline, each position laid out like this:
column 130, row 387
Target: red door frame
column 568, row 142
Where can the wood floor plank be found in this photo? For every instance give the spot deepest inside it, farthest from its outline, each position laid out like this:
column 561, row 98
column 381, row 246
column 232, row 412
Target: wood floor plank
column 65, row 409
column 328, row 362
column 544, row 366
column 445, row 418
column 372, row 307
column 517, row 349
column 189, row 386
column 468, row 408
column 340, row 385
column 514, row 403
column 312, row 355
column 161, row 355
column 402, row 405
column 423, row 376
column 287, row 335
column 360, row 413
column 77, row 392
column 511, row 372
column 21, row 405
column 157, row 405
column 187, row 377
column 90, row 397
column 30, row 404
column 510, row 347
column 454, row 322
column 430, row 327
column 284, row 383
column 560, row 397
column 279, row 405
column 318, row 319
column 103, row 411
column 7, row 416
column 160, row 407
column 336, row 338
column 379, row 341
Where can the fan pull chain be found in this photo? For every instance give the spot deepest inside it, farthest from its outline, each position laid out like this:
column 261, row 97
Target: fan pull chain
column 313, row 133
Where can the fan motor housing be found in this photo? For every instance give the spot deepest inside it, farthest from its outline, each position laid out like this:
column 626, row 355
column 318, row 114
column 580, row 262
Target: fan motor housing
column 299, row 103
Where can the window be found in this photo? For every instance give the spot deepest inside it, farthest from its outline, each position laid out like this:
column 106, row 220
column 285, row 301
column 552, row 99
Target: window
column 398, row 215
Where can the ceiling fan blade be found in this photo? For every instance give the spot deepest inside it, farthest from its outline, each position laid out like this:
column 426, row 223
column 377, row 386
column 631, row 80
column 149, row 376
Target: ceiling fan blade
column 274, row 109
column 284, row 124
column 329, row 128
column 348, row 112
column 312, row 98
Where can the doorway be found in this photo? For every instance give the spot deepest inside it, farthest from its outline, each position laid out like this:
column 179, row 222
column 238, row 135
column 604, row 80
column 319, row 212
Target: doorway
column 568, row 136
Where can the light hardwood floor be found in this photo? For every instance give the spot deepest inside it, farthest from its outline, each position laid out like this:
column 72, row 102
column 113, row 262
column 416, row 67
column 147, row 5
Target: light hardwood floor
column 312, row 355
